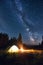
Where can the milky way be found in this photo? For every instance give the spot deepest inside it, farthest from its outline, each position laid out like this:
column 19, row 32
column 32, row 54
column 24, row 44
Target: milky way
column 24, row 19
column 25, row 16
column 26, row 22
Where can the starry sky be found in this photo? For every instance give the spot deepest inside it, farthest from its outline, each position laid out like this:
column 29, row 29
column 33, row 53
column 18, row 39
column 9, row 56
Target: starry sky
column 22, row 16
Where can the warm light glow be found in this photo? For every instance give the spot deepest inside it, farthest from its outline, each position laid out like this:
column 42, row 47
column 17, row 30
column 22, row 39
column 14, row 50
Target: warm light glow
column 13, row 49
column 30, row 51
column 21, row 49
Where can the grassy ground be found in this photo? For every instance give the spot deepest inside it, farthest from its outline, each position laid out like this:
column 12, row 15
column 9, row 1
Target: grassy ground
column 21, row 59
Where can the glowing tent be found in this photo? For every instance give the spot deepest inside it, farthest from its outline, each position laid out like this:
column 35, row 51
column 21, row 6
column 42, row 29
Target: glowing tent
column 13, row 49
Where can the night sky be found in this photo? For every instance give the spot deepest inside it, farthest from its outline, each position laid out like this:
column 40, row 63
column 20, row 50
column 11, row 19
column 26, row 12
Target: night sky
column 22, row 16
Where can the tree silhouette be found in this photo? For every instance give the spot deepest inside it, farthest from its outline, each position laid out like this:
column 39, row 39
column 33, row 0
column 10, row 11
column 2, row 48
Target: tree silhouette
column 3, row 39
column 19, row 40
column 13, row 41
